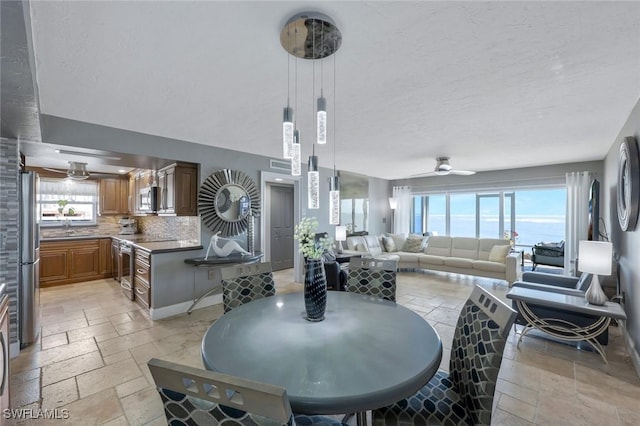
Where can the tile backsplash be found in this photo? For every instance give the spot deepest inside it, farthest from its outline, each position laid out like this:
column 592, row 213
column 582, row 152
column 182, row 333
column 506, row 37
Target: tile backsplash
column 161, row 227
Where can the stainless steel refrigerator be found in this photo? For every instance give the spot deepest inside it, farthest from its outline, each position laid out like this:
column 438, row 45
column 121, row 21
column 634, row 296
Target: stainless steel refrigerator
column 29, row 285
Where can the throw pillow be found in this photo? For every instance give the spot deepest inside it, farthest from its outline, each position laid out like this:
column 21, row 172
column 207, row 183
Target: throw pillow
column 398, row 239
column 413, row 244
column 361, row 247
column 389, row 244
column 499, row 253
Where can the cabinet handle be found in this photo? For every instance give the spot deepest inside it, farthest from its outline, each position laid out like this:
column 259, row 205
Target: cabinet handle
column 5, row 363
column 125, row 286
column 140, row 292
column 130, row 202
column 141, row 271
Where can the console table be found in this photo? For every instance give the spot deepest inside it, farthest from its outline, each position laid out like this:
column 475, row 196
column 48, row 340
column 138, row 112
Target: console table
column 218, row 262
column 563, row 329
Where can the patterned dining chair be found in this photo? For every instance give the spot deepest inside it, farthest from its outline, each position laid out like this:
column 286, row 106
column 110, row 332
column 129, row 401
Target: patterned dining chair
column 192, row 396
column 373, row 277
column 464, row 396
column 243, row 283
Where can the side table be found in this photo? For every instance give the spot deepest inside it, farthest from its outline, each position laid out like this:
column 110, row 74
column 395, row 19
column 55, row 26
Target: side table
column 563, row 329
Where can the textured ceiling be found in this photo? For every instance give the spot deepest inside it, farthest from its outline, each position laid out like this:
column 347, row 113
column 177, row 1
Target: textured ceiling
column 493, row 85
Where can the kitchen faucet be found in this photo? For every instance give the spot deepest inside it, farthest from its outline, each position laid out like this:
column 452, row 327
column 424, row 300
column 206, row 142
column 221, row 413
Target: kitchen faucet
column 66, row 224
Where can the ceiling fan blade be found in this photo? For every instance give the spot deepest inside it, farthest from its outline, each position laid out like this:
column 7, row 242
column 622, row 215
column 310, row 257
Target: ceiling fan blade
column 425, row 174
column 54, row 170
column 462, row 172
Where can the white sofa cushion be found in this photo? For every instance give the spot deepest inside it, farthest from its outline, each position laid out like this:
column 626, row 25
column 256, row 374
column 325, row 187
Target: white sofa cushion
column 499, row 253
column 389, row 244
column 439, row 246
column 398, row 239
column 429, row 259
column 373, row 245
column 464, row 247
column 353, row 241
column 406, row 257
column 486, row 244
column 458, row 262
column 485, row 265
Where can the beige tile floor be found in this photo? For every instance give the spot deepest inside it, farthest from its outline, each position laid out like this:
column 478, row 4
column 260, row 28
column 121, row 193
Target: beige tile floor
column 94, row 345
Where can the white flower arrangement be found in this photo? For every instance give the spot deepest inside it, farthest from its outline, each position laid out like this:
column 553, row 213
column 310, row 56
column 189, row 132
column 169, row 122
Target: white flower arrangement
column 305, row 234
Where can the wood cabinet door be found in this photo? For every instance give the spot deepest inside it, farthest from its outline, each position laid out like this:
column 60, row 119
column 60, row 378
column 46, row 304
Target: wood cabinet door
column 110, row 196
column 84, row 260
column 170, row 191
column 186, row 191
column 105, row 257
column 54, row 264
column 131, row 196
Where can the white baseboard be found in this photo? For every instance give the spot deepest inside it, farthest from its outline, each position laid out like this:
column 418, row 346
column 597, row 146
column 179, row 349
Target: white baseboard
column 181, row 308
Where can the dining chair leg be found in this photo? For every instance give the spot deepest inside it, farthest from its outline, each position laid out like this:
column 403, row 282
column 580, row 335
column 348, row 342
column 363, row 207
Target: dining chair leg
column 361, row 419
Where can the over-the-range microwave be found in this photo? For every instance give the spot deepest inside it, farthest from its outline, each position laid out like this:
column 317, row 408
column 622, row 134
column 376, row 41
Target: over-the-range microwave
column 148, row 199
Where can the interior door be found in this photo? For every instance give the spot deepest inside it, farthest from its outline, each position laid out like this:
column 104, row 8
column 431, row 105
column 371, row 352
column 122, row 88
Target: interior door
column 281, row 213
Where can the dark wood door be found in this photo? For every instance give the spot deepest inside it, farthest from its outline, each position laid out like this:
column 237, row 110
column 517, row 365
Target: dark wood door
column 281, row 213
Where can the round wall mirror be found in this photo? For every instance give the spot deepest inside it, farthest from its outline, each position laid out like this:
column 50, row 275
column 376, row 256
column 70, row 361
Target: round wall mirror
column 226, row 199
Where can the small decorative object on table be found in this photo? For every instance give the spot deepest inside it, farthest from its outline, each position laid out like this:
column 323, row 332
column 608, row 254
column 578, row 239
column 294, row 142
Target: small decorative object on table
column 229, row 247
column 315, row 282
column 250, row 234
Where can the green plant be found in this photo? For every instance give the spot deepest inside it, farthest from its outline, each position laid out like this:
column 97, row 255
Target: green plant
column 61, row 205
column 305, row 233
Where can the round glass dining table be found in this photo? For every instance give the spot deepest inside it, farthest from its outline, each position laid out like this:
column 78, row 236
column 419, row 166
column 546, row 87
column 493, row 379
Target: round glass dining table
column 367, row 353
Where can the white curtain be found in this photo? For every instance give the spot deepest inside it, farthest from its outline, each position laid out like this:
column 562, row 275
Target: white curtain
column 402, row 214
column 577, row 223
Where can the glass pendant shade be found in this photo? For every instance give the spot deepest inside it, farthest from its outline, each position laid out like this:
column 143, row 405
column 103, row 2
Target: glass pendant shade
column 322, row 120
column 334, row 200
column 287, row 133
column 313, row 183
column 295, row 154
column 77, row 171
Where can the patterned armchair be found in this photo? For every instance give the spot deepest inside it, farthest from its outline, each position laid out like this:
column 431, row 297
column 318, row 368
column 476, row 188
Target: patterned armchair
column 199, row 397
column 464, row 396
column 373, row 277
column 243, row 283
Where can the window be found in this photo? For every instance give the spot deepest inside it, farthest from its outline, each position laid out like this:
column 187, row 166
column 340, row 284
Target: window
column 64, row 201
column 524, row 216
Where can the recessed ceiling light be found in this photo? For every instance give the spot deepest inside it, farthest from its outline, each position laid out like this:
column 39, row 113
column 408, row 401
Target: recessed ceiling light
column 278, row 179
column 121, row 171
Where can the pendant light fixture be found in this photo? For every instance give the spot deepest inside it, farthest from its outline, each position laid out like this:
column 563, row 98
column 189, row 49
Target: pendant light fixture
column 334, row 181
column 287, row 124
column 319, row 38
column 313, row 183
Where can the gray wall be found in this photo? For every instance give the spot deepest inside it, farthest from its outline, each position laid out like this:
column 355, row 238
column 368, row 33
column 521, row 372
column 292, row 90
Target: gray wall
column 625, row 244
column 503, row 179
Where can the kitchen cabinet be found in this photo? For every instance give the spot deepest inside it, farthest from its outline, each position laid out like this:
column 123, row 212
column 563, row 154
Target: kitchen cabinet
column 114, row 196
column 142, row 278
column 178, row 189
column 71, row 261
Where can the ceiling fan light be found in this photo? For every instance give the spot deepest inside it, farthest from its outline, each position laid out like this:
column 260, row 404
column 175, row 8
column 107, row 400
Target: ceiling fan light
column 77, row 171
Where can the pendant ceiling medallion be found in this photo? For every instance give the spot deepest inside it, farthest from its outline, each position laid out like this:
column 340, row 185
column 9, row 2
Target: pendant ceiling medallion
column 311, row 35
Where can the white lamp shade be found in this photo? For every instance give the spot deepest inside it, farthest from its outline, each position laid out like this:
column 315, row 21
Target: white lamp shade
column 393, row 203
column 595, row 257
column 341, row 233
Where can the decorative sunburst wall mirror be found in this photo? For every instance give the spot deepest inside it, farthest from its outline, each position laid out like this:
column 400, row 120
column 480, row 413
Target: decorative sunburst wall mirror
column 226, row 200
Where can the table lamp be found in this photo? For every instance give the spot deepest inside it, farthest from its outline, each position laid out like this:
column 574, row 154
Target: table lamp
column 341, row 235
column 594, row 257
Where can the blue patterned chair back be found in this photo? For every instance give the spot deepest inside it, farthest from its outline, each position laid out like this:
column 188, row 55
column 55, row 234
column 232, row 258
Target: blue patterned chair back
column 199, row 397
column 476, row 351
column 373, row 277
column 243, row 283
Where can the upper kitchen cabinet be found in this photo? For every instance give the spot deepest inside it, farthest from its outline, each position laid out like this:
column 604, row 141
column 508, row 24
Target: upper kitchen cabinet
column 114, row 196
column 178, row 189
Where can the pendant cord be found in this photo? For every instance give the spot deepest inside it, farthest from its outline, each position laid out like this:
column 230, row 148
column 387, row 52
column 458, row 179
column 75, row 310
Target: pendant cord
column 288, row 69
column 334, row 109
column 295, row 45
column 313, row 82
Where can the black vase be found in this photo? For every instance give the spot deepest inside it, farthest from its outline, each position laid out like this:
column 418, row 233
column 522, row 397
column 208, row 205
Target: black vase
column 315, row 290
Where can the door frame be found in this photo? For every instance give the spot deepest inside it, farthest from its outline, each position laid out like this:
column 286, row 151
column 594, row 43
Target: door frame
column 265, row 221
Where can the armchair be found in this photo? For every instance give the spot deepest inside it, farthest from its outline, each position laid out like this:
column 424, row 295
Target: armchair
column 574, row 286
column 336, row 276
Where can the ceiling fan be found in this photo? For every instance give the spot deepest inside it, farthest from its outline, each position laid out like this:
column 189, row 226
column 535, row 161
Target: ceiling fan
column 443, row 168
column 78, row 171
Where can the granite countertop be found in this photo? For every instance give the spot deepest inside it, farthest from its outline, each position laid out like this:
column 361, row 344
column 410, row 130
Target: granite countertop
column 140, row 241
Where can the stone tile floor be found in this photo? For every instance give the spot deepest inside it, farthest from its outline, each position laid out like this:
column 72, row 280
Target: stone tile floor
column 94, row 345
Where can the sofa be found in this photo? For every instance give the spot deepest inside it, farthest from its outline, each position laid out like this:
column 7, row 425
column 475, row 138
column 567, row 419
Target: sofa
column 484, row 257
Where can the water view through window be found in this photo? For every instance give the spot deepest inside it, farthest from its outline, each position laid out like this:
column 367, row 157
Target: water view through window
column 526, row 216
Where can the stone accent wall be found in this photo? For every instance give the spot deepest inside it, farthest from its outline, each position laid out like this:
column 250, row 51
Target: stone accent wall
column 170, row 227
column 9, row 225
